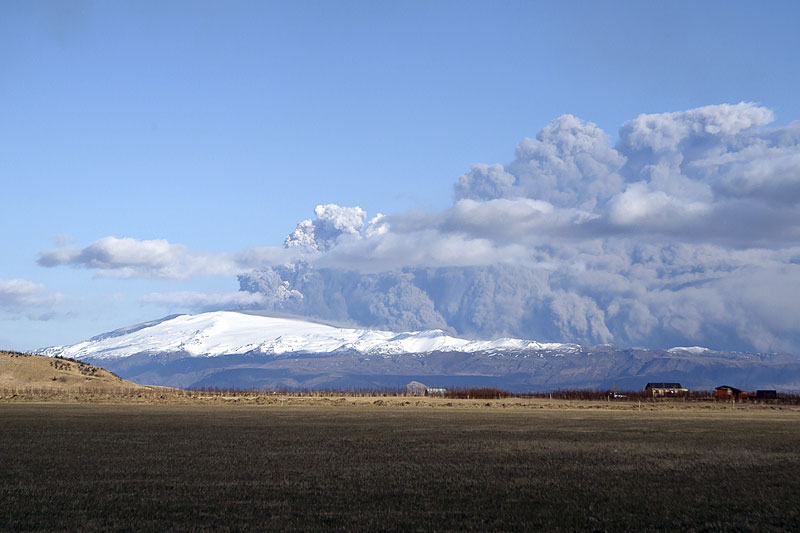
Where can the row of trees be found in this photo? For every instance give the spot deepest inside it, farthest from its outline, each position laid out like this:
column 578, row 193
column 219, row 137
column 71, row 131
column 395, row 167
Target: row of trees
column 476, row 393
column 479, row 393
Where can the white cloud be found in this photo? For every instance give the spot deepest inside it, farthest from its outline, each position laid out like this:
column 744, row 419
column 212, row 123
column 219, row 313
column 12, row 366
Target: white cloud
column 127, row 258
column 19, row 297
column 62, row 239
column 111, row 252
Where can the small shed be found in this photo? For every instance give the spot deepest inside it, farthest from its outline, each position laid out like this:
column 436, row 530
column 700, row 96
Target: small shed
column 726, row 392
column 662, row 388
column 765, row 394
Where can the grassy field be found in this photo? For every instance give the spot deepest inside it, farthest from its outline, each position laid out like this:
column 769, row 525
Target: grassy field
column 188, row 467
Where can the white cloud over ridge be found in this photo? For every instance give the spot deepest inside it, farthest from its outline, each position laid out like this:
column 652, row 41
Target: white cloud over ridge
column 685, row 232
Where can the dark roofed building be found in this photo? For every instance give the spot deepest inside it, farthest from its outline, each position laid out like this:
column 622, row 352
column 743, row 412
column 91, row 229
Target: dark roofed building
column 726, row 392
column 662, row 388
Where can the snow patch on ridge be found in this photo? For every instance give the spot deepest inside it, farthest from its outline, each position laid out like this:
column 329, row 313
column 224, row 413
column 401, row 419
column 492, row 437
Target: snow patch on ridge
column 695, row 350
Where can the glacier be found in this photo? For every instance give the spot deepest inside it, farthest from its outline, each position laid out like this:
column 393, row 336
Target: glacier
column 247, row 350
column 229, row 332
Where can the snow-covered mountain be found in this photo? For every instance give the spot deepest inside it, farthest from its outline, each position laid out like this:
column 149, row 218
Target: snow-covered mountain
column 232, row 333
column 243, row 350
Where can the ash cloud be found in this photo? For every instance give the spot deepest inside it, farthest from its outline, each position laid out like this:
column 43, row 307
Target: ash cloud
column 685, row 232
column 333, row 224
column 200, row 301
column 570, row 163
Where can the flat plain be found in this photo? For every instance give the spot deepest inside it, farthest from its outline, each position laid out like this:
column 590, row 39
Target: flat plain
column 346, row 466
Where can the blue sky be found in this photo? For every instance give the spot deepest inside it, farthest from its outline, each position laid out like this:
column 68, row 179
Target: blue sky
column 219, row 126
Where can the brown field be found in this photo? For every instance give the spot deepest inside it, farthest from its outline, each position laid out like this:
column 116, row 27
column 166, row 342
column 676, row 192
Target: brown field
column 93, row 452
column 355, row 465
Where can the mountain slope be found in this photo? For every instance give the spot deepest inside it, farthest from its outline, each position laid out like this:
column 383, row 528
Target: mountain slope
column 238, row 350
column 227, row 333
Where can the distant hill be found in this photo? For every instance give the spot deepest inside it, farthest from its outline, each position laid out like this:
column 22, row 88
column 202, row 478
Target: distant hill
column 232, row 350
column 23, row 370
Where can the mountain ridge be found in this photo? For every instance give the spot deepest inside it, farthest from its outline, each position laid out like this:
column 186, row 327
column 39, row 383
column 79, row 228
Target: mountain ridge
column 229, row 332
column 243, row 350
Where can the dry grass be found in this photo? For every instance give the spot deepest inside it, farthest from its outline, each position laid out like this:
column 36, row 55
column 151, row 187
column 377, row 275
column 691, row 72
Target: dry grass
column 178, row 397
column 301, row 467
column 93, row 452
column 35, row 372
